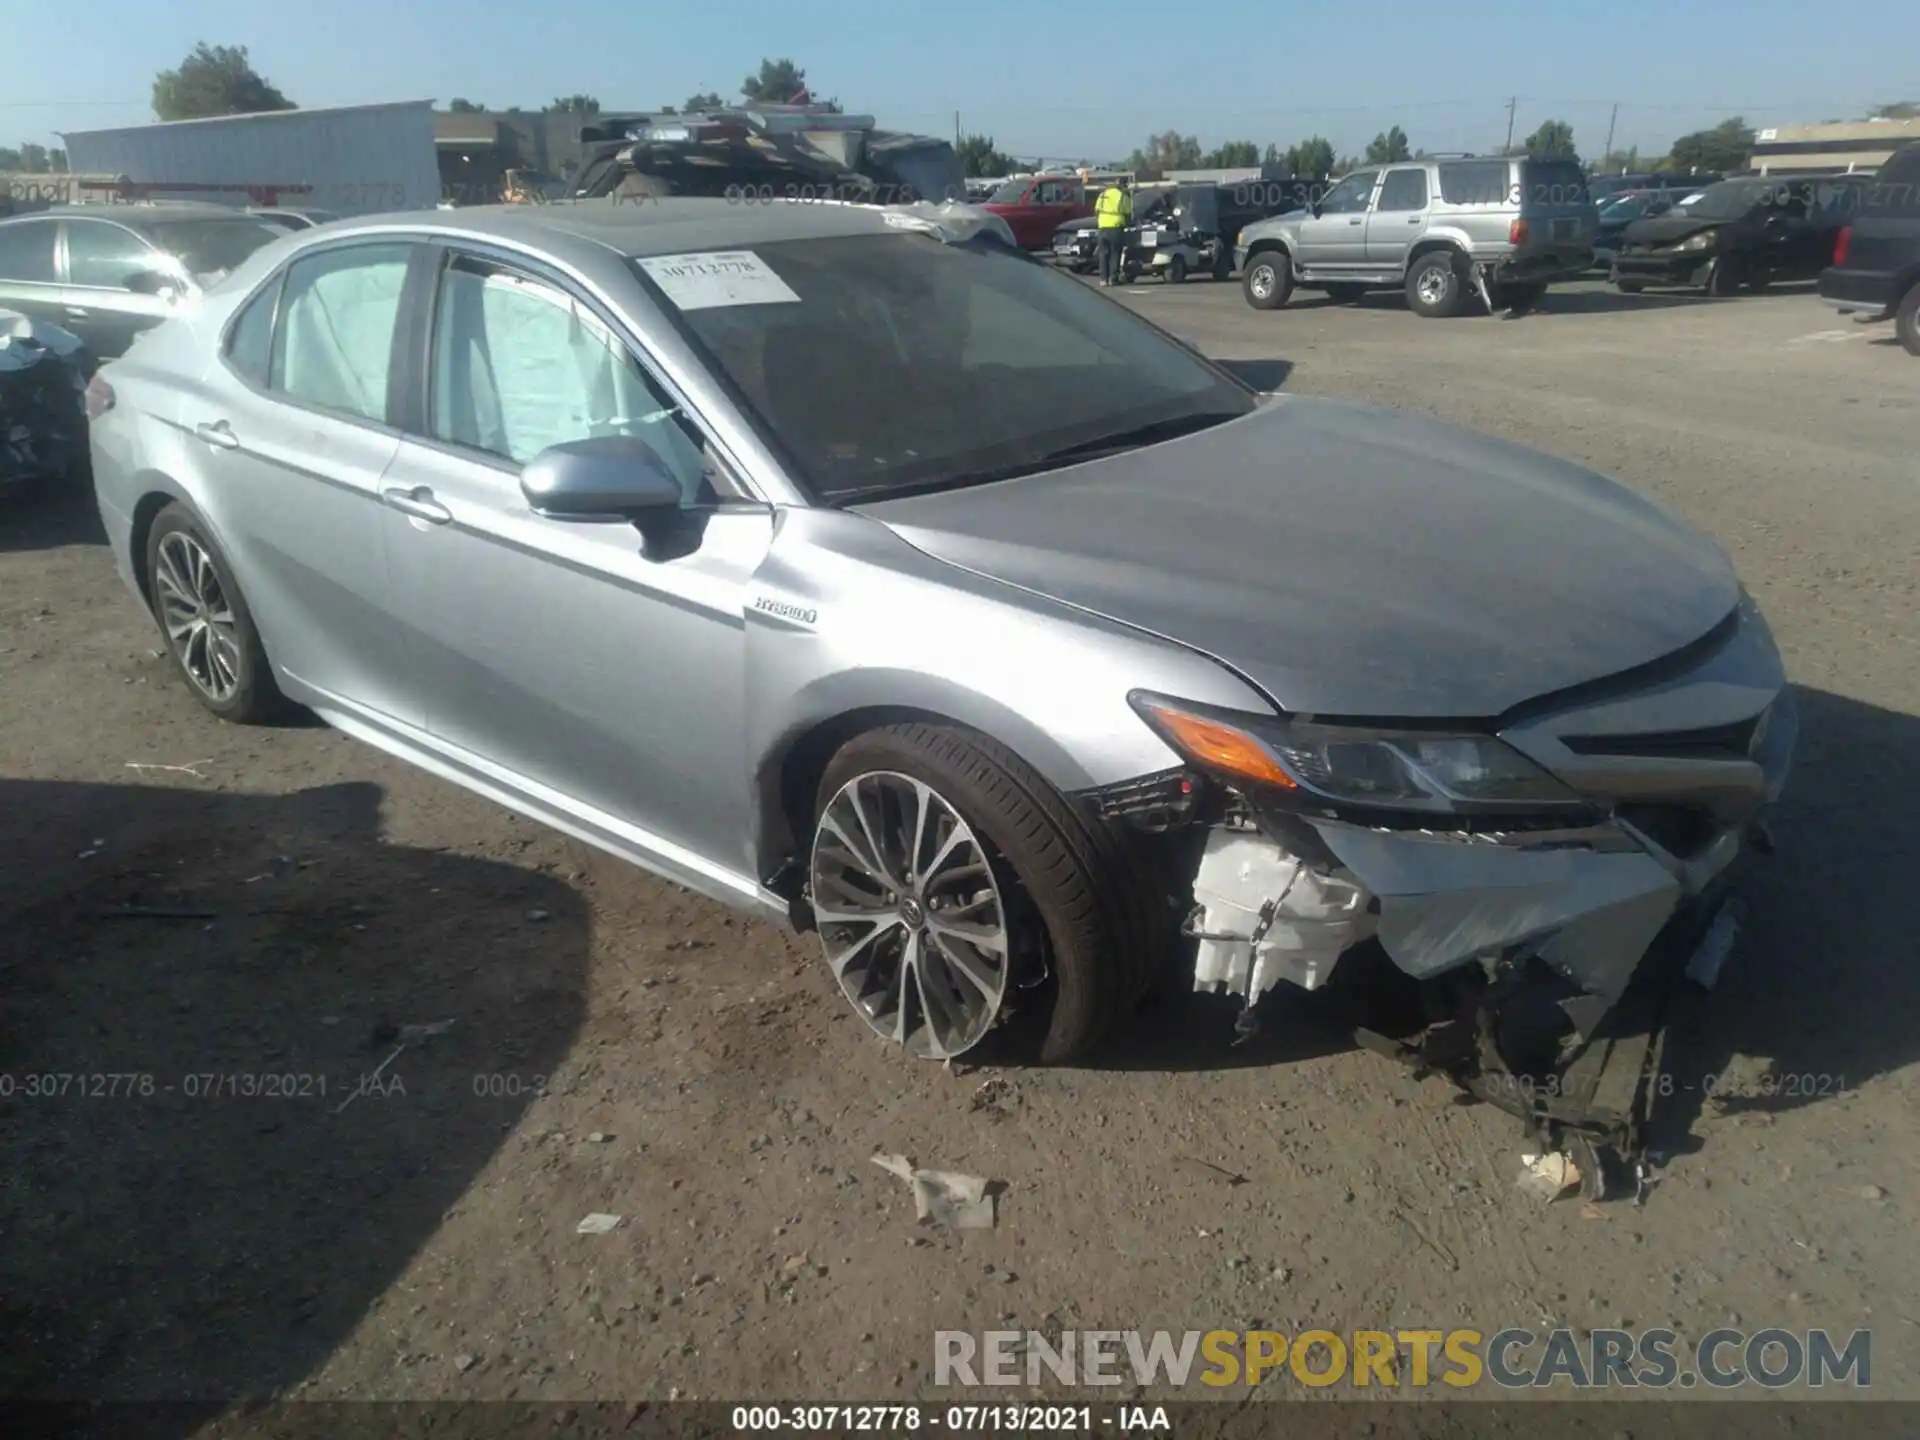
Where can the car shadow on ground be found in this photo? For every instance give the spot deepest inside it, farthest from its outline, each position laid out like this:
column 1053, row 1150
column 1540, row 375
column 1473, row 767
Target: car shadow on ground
column 233, row 1110
column 1822, row 993
column 50, row 517
column 1265, row 376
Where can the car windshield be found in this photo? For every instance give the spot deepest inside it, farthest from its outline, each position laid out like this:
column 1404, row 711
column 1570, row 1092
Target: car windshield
column 210, row 247
column 1728, row 200
column 1629, row 208
column 892, row 364
column 1010, row 193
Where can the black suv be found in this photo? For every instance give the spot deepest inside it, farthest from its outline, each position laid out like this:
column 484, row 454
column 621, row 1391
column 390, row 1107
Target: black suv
column 1740, row 234
column 1876, row 261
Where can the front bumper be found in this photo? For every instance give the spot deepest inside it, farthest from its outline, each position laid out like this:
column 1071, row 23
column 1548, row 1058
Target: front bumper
column 1674, row 268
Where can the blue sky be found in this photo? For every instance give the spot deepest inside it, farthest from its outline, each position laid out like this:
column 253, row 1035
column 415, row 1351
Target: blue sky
column 1058, row 81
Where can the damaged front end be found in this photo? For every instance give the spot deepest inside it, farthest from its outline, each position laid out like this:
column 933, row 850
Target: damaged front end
column 1545, row 882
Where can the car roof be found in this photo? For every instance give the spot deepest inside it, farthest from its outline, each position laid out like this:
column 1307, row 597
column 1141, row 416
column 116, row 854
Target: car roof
column 644, row 225
column 137, row 215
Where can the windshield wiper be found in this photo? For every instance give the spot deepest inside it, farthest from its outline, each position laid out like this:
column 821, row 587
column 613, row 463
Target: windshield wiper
column 1134, row 438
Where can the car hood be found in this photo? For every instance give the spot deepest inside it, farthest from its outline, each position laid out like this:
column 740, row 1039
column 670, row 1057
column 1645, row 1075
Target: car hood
column 1074, row 227
column 1350, row 560
column 1665, row 229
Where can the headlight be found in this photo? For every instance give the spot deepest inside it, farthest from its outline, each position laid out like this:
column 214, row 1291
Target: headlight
column 1375, row 768
column 1703, row 241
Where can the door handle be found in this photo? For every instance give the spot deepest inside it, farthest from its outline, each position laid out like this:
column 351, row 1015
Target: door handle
column 419, row 503
column 1356, row 220
column 75, row 312
column 219, row 434
column 1415, row 219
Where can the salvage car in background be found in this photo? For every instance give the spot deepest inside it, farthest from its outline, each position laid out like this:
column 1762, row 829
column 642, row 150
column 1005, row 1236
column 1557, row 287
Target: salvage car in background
column 853, row 567
column 1875, row 273
column 1739, row 234
column 1439, row 229
column 44, row 372
column 107, row 273
column 1621, row 211
column 1036, row 206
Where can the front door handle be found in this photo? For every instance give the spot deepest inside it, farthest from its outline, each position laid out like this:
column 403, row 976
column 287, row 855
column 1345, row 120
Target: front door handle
column 75, row 312
column 1415, row 219
column 419, row 503
column 219, row 434
column 1356, row 220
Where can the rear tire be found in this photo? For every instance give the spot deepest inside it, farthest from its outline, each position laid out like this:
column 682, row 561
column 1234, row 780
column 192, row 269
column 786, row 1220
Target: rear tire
column 1906, row 320
column 1629, row 287
column 1345, row 294
column 1268, row 280
column 205, row 623
column 1176, row 269
column 1079, row 908
column 1223, row 266
column 1434, row 286
column 1723, row 279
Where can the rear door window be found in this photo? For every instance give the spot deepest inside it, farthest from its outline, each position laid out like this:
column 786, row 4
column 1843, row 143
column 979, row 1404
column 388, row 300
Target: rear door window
column 26, row 252
column 1404, row 190
column 334, row 345
column 1896, row 189
column 104, row 256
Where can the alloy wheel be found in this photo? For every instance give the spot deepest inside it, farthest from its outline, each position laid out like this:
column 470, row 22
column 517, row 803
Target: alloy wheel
column 1261, row 282
column 197, row 616
column 1434, row 285
column 910, row 914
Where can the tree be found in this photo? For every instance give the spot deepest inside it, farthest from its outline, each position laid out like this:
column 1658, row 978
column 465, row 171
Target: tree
column 1312, row 156
column 458, row 106
column 1389, row 146
column 1234, row 155
column 781, row 82
column 1619, row 162
column 1343, row 165
column 1552, row 141
column 1898, row 110
column 979, row 157
column 703, row 100
column 1725, row 147
column 1171, row 151
column 574, row 105
column 214, row 80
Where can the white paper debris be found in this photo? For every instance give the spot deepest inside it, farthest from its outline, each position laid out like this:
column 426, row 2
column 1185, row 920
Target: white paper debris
column 943, row 1196
column 1548, row 1176
column 717, row 278
column 596, row 1224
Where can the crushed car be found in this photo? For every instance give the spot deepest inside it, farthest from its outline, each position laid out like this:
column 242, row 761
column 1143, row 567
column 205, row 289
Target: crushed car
column 1018, row 652
column 44, row 372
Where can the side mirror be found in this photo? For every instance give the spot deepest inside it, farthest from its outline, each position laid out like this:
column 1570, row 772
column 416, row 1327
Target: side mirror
column 155, row 282
column 610, row 477
column 1315, row 207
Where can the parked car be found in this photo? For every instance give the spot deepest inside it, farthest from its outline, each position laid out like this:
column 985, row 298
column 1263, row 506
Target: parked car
column 1504, row 229
column 44, row 372
column 1198, row 227
column 107, row 273
column 291, row 217
column 1621, row 211
column 877, row 578
column 1875, row 273
column 1036, row 206
column 1746, row 233
column 1076, row 243
column 1611, row 187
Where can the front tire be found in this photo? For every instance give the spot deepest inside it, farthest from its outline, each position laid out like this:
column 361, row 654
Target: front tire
column 1268, row 280
column 205, row 622
column 1629, row 287
column 1906, row 320
column 948, row 878
column 1176, row 269
column 1434, row 287
column 1723, row 279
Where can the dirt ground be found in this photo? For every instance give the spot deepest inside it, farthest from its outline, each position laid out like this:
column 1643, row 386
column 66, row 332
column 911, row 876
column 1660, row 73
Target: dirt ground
column 211, row 912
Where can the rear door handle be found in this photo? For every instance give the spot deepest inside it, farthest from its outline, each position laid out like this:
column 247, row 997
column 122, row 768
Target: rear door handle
column 75, row 312
column 1415, row 219
column 419, row 503
column 219, row 433
column 1356, row 220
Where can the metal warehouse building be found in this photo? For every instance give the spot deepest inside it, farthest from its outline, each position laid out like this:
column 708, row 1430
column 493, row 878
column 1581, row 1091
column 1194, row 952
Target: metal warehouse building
column 1862, row 145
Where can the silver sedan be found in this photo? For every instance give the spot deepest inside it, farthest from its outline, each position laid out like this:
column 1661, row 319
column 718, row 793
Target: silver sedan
column 847, row 564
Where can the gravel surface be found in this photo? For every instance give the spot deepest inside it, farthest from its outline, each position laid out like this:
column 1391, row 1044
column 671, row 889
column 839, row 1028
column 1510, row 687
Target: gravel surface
column 621, row 1048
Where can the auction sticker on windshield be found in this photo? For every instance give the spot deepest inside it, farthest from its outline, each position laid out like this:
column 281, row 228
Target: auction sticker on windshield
column 716, row 278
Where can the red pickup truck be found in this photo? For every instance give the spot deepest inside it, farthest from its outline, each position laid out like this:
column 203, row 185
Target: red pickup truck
column 1034, row 206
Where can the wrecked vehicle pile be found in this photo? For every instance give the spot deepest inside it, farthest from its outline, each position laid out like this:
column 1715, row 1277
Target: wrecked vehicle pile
column 44, row 372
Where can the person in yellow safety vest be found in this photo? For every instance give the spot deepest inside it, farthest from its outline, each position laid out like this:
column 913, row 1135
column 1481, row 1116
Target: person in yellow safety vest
column 1113, row 213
